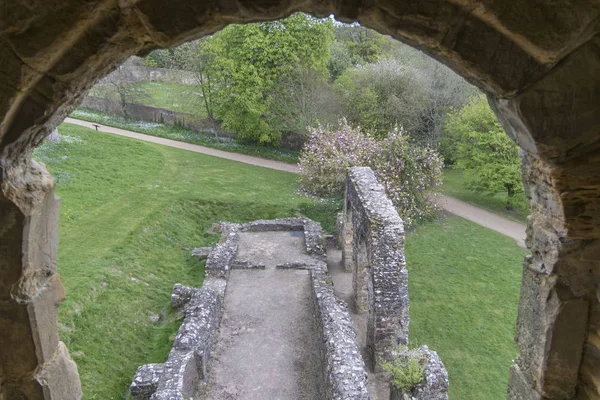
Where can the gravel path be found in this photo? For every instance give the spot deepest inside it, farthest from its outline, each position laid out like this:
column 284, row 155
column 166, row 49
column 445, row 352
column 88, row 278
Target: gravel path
column 484, row 218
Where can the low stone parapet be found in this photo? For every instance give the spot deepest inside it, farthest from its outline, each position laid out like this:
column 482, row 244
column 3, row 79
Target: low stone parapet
column 187, row 364
column 344, row 369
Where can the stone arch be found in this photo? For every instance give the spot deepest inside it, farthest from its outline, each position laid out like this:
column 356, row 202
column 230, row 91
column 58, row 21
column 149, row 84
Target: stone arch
column 537, row 61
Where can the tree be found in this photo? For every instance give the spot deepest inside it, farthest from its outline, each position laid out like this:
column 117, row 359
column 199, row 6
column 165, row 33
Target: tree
column 382, row 95
column 483, row 150
column 411, row 175
column 250, row 60
column 200, row 57
column 303, row 99
column 355, row 45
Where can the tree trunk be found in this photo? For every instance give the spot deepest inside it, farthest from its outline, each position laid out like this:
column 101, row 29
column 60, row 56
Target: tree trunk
column 509, row 198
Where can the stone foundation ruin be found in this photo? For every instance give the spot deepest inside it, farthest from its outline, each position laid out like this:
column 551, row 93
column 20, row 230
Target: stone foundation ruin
column 188, row 366
column 373, row 234
column 342, row 372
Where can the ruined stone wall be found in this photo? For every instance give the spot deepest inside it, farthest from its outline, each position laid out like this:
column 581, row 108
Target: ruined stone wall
column 372, row 233
column 343, row 367
column 380, row 279
column 188, row 362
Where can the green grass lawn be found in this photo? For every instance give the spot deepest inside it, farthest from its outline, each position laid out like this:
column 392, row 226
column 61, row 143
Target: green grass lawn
column 132, row 212
column 464, row 288
column 168, row 95
column 454, row 186
column 174, row 96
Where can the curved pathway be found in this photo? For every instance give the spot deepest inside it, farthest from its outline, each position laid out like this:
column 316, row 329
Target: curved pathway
column 260, row 162
column 482, row 217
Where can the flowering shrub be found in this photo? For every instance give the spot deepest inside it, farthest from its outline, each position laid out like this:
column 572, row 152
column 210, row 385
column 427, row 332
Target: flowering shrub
column 411, row 175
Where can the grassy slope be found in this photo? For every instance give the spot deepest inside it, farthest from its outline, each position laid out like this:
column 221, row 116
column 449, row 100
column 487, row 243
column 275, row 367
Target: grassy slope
column 132, row 211
column 174, row 96
column 171, row 96
column 454, row 186
column 464, row 288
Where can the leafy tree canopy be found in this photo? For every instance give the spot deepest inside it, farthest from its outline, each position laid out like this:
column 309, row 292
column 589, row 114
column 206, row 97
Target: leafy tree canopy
column 483, row 150
column 240, row 67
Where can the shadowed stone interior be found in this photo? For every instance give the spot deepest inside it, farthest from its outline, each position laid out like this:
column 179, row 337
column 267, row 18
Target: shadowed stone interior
column 538, row 61
column 379, row 276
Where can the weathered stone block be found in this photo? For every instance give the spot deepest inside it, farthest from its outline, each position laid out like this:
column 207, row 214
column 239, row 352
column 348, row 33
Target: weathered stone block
column 519, row 388
column 43, row 314
column 551, row 328
column 182, row 374
column 282, row 224
column 241, row 264
column 40, row 244
column 201, row 253
column 145, row 381
column 181, row 295
column 59, row 378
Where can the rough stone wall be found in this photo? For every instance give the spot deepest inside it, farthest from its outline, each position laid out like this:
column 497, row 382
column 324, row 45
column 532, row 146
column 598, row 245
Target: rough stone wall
column 379, row 268
column 435, row 384
column 344, row 368
column 188, row 363
column 34, row 364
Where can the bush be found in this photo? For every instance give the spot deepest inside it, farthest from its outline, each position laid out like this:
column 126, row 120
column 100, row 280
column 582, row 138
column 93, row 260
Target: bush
column 407, row 369
column 410, row 174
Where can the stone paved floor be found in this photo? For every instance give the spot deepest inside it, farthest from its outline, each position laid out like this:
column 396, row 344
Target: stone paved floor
column 268, row 346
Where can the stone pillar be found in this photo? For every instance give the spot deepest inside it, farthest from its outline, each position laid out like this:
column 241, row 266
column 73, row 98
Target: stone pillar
column 346, row 240
column 556, row 121
column 360, row 274
column 34, row 364
column 558, row 297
